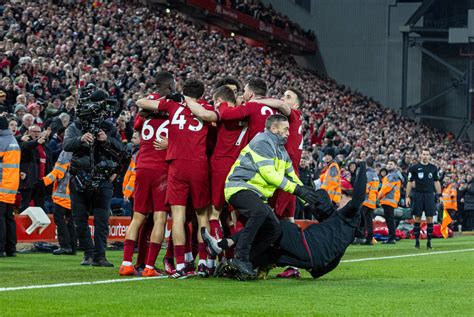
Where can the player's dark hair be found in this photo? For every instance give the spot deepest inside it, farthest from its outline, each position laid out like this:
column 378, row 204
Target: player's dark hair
column 225, row 93
column 298, row 94
column 163, row 79
column 193, row 88
column 274, row 119
column 425, row 149
column 228, row 80
column 258, row 86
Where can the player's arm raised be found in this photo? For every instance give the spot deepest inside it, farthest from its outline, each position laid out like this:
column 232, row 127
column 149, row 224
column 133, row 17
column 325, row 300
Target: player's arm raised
column 280, row 105
column 199, row 110
column 148, row 104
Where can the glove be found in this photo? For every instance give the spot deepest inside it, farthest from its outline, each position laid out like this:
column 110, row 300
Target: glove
column 176, row 97
column 306, row 193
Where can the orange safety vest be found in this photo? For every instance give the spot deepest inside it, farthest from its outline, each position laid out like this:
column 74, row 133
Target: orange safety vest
column 60, row 176
column 9, row 167
column 331, row 182
column 372, row 189
column 389, row 194
column 128, row 185
column 450, row 198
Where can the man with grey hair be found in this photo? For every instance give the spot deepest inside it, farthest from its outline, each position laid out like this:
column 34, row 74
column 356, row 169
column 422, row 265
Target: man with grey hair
column 34, row 162
column 26, row 122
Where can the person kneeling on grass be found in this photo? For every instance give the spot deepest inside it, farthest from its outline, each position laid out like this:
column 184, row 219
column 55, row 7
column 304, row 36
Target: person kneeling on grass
column 318, row 248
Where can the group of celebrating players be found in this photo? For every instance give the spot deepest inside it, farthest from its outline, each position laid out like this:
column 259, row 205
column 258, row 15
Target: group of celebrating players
column 187, row 149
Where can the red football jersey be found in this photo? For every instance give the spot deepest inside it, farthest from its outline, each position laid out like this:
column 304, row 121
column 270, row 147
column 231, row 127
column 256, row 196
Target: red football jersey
column 187, row 133
column 294, row 145
column 256, row 113
column 231, row 138
column 151, row 130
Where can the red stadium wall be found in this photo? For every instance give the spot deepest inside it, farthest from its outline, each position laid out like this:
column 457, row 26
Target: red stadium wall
column 117, row 229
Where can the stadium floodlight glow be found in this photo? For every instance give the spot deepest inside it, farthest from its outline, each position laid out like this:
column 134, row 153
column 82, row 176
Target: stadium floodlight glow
column 232, row 34
column 168, row 10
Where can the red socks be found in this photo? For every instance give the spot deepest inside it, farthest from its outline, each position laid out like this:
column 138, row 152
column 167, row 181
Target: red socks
column 202, row 252
column 179, row 256
column 153, row 251
column 170, row 249
column 128, row 247
column 143, row 238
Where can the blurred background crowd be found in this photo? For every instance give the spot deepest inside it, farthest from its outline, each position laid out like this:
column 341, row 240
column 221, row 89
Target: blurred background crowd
column 48, row 50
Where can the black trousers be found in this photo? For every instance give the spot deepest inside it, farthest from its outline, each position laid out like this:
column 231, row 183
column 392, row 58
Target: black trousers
column 7, row 229
column 388, row 213
column 261, row 229
column 366, row 224
column 29, row 194
column 65, row 227
column 91, row 202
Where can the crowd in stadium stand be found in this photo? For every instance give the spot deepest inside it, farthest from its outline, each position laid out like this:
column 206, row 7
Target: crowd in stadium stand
column 46, row 51
column 267, row 14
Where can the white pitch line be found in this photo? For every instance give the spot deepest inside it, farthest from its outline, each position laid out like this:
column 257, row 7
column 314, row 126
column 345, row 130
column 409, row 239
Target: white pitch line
column 8, row 289
column 405, row 255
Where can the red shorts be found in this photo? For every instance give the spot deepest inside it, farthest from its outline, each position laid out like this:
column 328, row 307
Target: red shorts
column 188, row 179
column 283, row 203
column 150, row 189
column 218, row 177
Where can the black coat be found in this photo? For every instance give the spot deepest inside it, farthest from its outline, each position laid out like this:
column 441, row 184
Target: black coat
column 469, row 197
column 81, row 151
column 30, row 163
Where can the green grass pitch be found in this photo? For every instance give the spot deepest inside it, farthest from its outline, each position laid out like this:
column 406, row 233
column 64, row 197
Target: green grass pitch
column 438, row 284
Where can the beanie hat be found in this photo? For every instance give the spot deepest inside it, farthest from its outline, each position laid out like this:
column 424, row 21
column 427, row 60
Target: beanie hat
column 3, row 123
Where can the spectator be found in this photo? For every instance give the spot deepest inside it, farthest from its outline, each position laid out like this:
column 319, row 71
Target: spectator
column 27, row 121
column 50, row 58
column 35, row 109
column 34, row 163
column 20, row 111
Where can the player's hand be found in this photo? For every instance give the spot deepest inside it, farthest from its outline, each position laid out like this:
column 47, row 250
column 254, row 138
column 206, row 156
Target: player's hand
column 22, row 175
column 307, row 194
column 113, row 177
column 408, row 201
column 102, row 136
column 126, row 199
column 87, row 138
column 145, row 113
column 160, row 144
column 175, row 96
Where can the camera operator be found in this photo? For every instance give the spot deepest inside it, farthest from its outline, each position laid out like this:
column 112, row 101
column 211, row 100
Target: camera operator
column 97, row 152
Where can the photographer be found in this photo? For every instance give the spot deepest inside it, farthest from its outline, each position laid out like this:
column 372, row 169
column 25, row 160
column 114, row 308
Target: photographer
column 97, row 153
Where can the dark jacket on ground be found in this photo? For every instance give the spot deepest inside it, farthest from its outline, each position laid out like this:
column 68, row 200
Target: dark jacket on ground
column 320, row 247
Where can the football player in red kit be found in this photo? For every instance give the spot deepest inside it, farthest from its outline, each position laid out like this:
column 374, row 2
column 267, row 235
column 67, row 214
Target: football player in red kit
column 284, row 204
column 150, row 184
column 255, row 112
column 231, row 139
column 188, row 174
